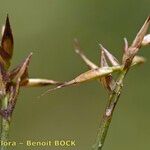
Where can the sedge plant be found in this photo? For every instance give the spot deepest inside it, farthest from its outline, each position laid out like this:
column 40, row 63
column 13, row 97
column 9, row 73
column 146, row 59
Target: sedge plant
column 105, row 75
column 12, row 80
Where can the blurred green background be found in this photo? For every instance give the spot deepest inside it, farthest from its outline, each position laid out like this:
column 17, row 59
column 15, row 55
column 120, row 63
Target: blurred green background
column 47, row 28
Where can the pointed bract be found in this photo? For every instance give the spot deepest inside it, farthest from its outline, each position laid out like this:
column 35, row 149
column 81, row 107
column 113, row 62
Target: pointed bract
column 22, row 69
column 107, row 81
column 103, row 60
column 110, row 57
column 78, row 50
column 15, row 71
column 139, row 37
column 137, row 43
column 87, row 76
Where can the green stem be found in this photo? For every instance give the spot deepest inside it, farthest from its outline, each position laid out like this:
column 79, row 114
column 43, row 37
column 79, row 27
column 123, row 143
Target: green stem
column 5, row 124
column 107, row 116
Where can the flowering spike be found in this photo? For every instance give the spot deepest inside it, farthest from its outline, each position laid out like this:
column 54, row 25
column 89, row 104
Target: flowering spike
column 7, row 44
column 78, row 50
column 110, row 57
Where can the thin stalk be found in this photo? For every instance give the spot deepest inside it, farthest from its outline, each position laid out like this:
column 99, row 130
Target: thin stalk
column 107, row 116
column 5, row 124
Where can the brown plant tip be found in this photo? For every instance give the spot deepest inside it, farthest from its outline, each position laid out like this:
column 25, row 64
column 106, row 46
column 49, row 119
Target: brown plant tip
column 7, row 44
column 139, row 37
column 7, row 38
column 136, row 44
